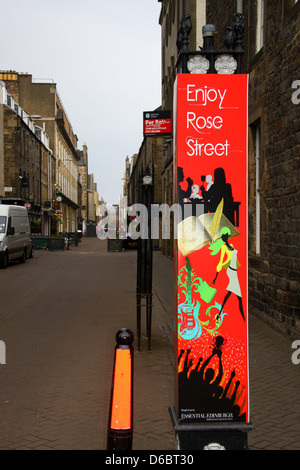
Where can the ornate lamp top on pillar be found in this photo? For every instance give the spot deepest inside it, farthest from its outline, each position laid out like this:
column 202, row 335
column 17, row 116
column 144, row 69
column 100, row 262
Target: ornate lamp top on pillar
column 208, row 59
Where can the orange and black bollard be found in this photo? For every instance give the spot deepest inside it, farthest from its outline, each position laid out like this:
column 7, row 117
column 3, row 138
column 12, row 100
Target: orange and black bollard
column 120, row 426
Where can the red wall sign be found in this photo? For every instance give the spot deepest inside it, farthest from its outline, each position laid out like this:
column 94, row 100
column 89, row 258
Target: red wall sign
column 157, row 123
column 211, row 259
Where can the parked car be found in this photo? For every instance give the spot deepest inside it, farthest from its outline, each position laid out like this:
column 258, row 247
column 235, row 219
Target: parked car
column 14, row 234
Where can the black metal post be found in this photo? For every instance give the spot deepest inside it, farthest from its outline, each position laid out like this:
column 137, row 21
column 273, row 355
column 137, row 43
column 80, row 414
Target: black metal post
column 144, row 266
column 148, row 264
column 139, row 291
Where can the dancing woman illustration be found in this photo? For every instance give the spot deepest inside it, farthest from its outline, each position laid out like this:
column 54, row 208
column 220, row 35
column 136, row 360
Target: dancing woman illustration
column 228, row 261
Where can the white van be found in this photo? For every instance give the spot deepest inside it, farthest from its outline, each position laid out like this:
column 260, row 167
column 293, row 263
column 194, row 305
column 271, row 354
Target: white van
column 14, row 234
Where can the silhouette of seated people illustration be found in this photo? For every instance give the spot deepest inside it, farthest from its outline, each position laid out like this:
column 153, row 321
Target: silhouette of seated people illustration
column 195, row 192
column 209, row 182
column 200, row 389
column 189, row 197
column 194, row 201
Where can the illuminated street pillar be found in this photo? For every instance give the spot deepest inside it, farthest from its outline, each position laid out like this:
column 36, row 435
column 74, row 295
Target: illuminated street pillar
column 210, row 162
column 120, row 422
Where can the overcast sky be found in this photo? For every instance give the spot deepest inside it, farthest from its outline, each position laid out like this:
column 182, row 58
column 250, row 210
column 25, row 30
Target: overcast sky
column 105, row 57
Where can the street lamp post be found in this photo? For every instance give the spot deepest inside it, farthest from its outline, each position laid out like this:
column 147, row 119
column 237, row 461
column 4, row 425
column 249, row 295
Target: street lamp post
column 144, row 262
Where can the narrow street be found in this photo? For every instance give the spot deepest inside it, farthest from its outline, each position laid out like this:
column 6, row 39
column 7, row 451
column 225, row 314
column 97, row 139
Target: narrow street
column 59, row 315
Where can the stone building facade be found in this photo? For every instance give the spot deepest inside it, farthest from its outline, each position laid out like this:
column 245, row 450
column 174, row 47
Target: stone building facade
column 27, row 164
column 272, row 60
column 82, row 165
column 92, row 199
column 42, row 99
column 147, row 162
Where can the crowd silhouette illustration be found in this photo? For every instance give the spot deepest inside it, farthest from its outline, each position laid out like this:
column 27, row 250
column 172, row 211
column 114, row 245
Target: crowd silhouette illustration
column 200, row 388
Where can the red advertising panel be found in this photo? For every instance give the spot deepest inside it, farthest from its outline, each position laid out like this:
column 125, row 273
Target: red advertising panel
column 211, row 256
